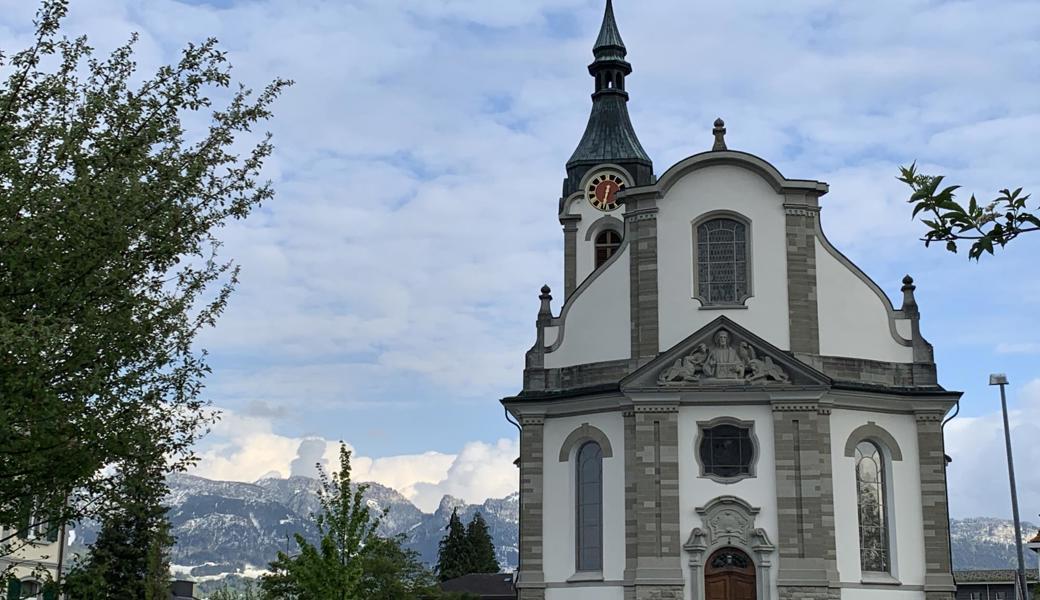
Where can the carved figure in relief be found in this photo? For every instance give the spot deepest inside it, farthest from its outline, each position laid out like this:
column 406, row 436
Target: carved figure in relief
column 723, row 362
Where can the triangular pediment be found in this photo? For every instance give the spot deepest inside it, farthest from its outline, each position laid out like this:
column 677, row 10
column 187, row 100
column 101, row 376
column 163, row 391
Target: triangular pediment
column 723, row 355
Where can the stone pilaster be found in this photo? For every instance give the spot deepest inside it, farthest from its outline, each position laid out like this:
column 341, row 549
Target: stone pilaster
column 641, row 229
column 531, row 576
column 658, row 541
column 802, row 306
column 805, row 501
column 938, row 579
column 570, row 255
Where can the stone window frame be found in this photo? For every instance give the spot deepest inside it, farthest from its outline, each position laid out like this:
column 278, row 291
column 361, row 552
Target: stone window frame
column 748, row 254
column 597, row 228
column 756, row 452
column 890, row 453
column 569, row 450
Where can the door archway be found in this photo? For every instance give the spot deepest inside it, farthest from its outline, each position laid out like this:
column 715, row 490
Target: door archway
column 730, row 575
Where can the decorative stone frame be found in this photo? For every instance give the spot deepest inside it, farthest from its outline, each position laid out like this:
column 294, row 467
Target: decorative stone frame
column 585, row 433
column 755, row 454
column 890, row 453
column 748, row 258
column 568, row 453
column 729, row 522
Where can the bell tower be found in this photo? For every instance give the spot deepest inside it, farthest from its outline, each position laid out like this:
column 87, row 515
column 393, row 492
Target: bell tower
column 609, row 136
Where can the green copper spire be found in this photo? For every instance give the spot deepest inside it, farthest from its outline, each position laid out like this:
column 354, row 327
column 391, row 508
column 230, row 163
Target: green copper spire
column 609, row 136
column 609, row 45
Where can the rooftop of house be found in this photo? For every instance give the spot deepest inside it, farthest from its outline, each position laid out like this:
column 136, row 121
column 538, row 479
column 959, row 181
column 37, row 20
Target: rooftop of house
column 992, row 576
column 487, row 586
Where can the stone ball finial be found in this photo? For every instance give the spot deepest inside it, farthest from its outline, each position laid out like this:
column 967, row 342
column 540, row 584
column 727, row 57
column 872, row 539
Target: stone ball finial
column 546, row 290
column 908, row 280
column 720, row 134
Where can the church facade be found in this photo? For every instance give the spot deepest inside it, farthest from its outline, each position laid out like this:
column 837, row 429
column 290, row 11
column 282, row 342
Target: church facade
column 724, row 407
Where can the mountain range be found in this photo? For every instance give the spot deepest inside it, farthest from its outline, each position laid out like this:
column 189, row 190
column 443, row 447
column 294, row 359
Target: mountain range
column 228, row 528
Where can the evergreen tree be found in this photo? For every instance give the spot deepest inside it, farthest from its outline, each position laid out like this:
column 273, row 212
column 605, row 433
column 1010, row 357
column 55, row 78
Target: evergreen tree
column 335, row 568
column 394, row 573
column 453, row 555
column 481, row 550
column 130, row 558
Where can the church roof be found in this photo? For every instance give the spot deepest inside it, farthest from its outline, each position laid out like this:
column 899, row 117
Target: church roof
column 609, row 45
column 609, row 136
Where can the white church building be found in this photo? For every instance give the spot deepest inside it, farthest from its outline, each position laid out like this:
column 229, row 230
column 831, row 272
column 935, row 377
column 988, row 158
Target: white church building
column 724, row 407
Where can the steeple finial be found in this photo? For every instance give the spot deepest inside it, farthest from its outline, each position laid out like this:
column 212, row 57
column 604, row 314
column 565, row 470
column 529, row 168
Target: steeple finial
column 909, row 301
column 609, row 45
column 720, row 135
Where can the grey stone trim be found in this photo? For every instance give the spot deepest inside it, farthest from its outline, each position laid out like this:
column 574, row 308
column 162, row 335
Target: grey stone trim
column 570, row 254
column 631, row 496
column 603, row 223
column 802, row 307
column 744, row 160
column 708, row 216
column 892, row 314
column 572, row 583
column 532, row 456
column 805, row 499
column 861, row 370
column 641, row 225
column 656, row 507
column 585, row 433
column 561, row 321
column 740, row 533
column 749, row 426
column 871, row 432
column 939, row 581
column 882, row 586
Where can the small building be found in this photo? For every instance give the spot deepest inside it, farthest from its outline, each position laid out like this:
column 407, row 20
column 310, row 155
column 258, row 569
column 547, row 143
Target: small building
column 493, row 586
column 992, row 584
column 33, row 563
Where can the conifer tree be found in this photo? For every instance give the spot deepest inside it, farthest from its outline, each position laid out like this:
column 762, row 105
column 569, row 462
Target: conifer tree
column 481, row 550
column 453, row 556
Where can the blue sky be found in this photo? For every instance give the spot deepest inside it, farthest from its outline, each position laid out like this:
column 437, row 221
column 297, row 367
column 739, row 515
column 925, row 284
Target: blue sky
column 389, row 291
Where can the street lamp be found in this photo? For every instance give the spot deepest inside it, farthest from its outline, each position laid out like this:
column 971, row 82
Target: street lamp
column 1001, row 380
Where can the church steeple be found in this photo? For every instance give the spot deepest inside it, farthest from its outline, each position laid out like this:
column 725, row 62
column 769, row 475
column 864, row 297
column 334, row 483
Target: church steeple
column 609, row 137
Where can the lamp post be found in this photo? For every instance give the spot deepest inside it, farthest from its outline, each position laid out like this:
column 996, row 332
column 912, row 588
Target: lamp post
column 1000, row 379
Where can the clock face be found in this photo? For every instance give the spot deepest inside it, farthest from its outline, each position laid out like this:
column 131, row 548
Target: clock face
column 602, row 190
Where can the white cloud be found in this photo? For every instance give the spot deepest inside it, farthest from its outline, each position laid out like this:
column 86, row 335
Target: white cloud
column 243, row 448
column 978, row 477
column 1018, row 348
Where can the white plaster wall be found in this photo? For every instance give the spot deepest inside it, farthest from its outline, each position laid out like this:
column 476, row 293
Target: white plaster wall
column 596, row 327
column 881, row 594
column 906, row 518
column 759, row 492
column 586, row 593
column 559, row 502
column 744, row 192
column 853, row 320
column 586, row 253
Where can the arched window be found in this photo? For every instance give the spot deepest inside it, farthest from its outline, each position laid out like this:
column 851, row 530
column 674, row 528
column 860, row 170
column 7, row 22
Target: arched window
column 873, row 522
column 723, row 276
column 607, row 243
column 589, row 514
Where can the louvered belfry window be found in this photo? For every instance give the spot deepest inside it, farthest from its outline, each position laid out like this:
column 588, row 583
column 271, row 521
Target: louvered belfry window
column 722, row 262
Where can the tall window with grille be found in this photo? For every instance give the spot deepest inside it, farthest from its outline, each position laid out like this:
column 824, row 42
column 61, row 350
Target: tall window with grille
column 607, row 243
column 723, row 273
column 589, row 526
column 873, row 522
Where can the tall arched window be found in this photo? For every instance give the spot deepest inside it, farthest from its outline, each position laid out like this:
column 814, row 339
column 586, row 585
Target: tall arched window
column 723, row 276
column 589, row 514
column 873, row 522
column 607, row 243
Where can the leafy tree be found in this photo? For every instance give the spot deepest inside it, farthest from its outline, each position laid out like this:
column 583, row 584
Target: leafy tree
column 481, row 548
column 453, row 553
column 109, row 262
column 986, row 225
column 247, row 592
column 335, row 568
column 394, row 573
column 130, row 558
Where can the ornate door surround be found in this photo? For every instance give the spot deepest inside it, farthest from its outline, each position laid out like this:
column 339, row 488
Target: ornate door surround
column 728, row 521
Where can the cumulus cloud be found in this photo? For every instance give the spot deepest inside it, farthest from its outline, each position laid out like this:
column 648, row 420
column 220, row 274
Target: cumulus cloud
column 244, row 448
column 978, row 476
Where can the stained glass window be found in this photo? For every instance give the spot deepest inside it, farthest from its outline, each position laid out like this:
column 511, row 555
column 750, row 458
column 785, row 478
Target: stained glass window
column 722, row 262
column 873, row 526
column 607, row 244
column 727, row 451
column 590, row 508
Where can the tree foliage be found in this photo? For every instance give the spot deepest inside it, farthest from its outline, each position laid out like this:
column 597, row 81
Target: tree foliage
column 334, row 568
column 985, row 225
column 453, row 552
column 109, row 263
column 481, row 548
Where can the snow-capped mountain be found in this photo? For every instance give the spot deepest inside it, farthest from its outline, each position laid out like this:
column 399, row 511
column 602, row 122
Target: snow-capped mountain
column 986, row 543
column 225, row 527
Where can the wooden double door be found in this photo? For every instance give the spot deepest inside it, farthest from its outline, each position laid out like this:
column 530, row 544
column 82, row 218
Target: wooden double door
column 729, row 575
